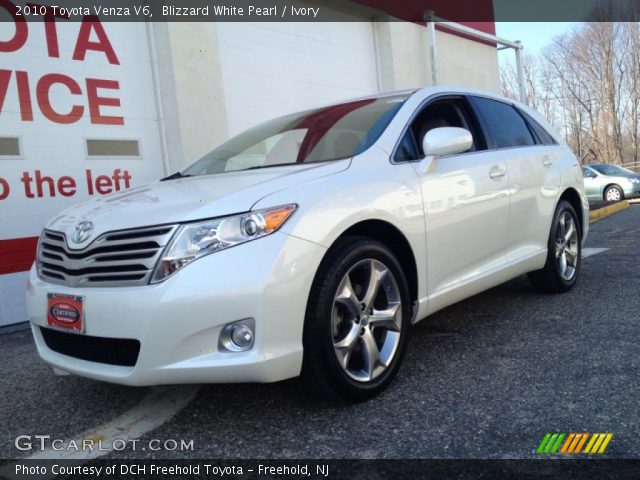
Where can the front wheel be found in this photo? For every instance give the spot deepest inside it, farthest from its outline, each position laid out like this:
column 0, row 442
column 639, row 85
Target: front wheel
column 564, row 250
column 357, row 321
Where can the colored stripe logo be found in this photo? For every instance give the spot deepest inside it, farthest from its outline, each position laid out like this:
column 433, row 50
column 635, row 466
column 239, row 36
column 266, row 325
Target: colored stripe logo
column 574, row 443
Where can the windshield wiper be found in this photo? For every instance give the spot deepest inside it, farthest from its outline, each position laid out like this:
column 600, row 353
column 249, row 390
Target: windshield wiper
column 175, row 175
column 272, row 165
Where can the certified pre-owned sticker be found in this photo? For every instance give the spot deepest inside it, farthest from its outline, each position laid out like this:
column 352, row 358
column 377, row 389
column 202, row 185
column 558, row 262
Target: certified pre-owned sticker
column 65, row 311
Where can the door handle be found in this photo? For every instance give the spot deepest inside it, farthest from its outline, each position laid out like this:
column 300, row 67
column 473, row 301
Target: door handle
column 546, row 162
column 497, row 172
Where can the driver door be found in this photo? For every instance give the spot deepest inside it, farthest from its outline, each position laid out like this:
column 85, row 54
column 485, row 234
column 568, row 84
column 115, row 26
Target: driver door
column 592, row 183
column 466, row 203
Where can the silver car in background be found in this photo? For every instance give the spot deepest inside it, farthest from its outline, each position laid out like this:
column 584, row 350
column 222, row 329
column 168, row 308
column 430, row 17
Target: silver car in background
column 610, row 183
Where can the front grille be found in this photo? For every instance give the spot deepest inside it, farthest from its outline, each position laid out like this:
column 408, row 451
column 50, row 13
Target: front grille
column 119, row 258
column 113, row 351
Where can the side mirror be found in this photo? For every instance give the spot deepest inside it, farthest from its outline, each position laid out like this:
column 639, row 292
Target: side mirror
column 446, row 141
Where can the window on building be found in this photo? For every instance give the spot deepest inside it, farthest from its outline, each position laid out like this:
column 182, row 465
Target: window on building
column 113, row 148
column 9, row 147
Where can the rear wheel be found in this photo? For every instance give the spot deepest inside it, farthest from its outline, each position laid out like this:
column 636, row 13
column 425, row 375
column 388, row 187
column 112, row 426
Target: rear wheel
column 564, row 249
column 357, row 321
column 613, row 193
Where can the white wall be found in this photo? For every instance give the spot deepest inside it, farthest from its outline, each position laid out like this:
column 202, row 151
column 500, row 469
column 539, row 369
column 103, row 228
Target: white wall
column 406, row 61
column 467, row 63
column 272, row 69
column 190, row 89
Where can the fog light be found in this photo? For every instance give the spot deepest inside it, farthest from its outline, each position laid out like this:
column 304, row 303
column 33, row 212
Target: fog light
column 237, row 336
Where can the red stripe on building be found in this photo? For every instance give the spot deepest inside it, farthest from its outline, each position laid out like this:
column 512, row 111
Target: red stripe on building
column 481, row 11
column 17, row 254
column 477, row 14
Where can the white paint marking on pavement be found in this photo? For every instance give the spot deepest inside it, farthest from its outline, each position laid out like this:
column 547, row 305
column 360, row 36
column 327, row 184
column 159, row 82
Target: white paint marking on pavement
column 153, row 410
column 587, row 252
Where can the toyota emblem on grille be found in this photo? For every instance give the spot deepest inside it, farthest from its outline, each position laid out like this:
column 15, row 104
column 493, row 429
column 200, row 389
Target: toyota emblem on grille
column 82, row 232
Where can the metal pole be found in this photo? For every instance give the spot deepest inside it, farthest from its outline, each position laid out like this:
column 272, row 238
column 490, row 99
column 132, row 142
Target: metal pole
column 521, row 89
column 472, row 32
column 431, row 19
column 155, row 78
column 431, row 25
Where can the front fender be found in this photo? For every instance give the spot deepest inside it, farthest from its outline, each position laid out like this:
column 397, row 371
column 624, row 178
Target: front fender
column 371, row 189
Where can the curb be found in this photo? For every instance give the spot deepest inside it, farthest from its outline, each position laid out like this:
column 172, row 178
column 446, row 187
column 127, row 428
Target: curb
column 603, row 212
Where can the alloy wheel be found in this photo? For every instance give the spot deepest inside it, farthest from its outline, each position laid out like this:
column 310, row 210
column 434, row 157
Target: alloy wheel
column 566, row 246
column 366, row 320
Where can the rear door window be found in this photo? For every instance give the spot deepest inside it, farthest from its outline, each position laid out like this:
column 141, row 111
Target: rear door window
column 504, row 126
column 544, row 136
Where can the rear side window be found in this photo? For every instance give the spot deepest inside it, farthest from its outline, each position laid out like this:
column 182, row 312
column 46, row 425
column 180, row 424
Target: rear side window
column 505, row 126
column 544, row 136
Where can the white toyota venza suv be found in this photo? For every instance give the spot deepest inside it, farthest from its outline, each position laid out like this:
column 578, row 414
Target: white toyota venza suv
column 309, row 244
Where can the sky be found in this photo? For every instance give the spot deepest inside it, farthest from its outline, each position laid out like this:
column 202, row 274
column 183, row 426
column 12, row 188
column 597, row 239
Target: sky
column 533, row 35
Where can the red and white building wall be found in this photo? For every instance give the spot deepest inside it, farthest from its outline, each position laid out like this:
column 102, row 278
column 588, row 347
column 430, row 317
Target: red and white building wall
column 89, row 108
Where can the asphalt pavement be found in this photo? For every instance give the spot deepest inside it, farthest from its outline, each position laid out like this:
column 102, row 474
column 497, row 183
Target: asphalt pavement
column 485, row 378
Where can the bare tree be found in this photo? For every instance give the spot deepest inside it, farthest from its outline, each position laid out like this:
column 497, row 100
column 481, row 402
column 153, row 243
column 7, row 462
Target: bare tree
column 631, row 38
column 587, row 82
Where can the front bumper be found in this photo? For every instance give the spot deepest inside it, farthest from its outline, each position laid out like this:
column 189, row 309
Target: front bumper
column 633, row 192
column 178, row 321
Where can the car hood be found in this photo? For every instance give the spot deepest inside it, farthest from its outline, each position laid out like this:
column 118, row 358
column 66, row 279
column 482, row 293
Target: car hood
column 187, row 199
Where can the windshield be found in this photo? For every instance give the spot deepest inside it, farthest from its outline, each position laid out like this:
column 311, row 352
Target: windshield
column 612, row 170
column 329, row 133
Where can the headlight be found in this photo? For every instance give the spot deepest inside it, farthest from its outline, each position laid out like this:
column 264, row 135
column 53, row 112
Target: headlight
column 195, row 240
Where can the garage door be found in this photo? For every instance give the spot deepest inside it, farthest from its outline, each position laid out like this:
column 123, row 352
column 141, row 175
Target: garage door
column 271, row 69
column 77, row 120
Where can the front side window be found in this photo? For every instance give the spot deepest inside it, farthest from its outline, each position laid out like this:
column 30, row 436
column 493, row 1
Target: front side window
column 321, row 135
column 587, row 172
column 441, row 113
column 406, row 150
column 505, row 126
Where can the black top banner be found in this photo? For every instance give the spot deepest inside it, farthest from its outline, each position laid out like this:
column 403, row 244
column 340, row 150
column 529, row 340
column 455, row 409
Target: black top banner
column 320, row 10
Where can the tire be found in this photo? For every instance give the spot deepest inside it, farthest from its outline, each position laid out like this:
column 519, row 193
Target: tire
column 564, row 249
column 354, row 336
column 613, row 193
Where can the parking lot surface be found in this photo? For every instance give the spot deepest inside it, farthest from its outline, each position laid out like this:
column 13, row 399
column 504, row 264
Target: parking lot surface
column 485, row 378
